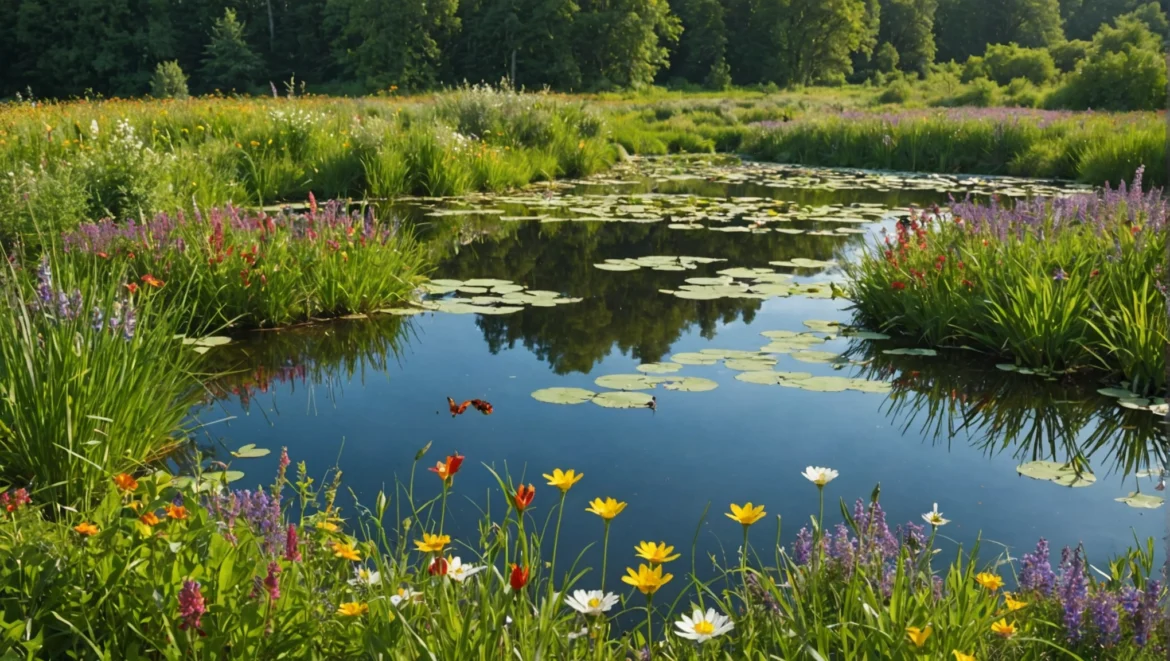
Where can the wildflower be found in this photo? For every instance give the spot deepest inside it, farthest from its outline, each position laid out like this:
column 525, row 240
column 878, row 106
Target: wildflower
column 133, row 288
column 353, row 609
column 647, row 580
column 1106, row 619
column 14, row 500
column 405, row 595
column 701, row 627
column 594, row 602
column 747, row 515
column 447, row 469
column 1149, row 614
column 327, row 526
column 1037, row 571
column 86, row 529
column 918, row 636
column 438, row 566
column 959, row 656
column 606, row 509
column 563, row 480
column 523, row 497
column 519, row 577
column 152, row 281
column 150, row 519
column 177, row 512
column 989, row 580
column 820, row 476
column 125, row 482
column 272, row 581
column 457, row 571
column 1073, row 589
column 935, row 518
column 1012, row 603
column 897, row 285
column 346, row 551
column 655, row 554
column 255, row 143
column 1059, row 274
column 191, row 605
column 432, row 543
column 291, row 553
column 1003, row 628
column 365, row 577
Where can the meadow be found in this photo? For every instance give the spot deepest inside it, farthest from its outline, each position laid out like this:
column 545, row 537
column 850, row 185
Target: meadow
column 143, row 234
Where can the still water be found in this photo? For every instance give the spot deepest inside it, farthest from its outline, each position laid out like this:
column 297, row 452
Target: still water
column 367, row 394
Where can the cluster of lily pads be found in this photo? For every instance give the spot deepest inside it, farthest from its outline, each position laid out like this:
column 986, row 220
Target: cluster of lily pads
column 1132, row 400
column 482, row 296
column 1075, row 474
column 759, row 283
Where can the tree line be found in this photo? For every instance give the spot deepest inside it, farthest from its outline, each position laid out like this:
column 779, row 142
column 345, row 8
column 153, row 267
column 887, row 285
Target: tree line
column 63, row 48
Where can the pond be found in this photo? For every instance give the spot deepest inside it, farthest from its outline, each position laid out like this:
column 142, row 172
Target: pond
column 755, row 376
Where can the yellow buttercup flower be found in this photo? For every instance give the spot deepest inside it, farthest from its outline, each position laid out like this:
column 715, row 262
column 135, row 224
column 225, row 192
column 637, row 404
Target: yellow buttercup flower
column 432, row 543
column 990, row 581
column 747, row 515
column 918, row 636
column 353, row 609
column 346, row 551
column 563, row 480
column 1003, row 628
column 327, row 526
column 606, row 509
column 959, row 656
column 1013, row 604
column 647, row 580
column 655, row 554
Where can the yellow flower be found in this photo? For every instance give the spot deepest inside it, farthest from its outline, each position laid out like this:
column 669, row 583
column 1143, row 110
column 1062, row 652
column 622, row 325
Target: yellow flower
column 647, row 580
column 959, row 656
column 432, row 543
column 255, row 143
column 918, row 636
column 327, row 526
column 1013, row 604
column 581, row 145
column 1003, row 628
column 990, row 581
column 606, row 509
column 346, row 551
column 563, row 480
column 747, row 515
column 86, row 529
column 353, row 609
column 655, row 554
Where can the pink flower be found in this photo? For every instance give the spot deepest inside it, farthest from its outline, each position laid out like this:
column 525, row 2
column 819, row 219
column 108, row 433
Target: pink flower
column 290, row 544
column 191, row 605
column 272, row 581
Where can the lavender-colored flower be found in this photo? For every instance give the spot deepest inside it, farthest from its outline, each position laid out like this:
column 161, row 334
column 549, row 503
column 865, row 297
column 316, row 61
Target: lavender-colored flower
column 99, row 319
column 1037, row 571
column 1059, row 275
column 937, row 587
column 842, row 549
column 1073, row 589
column 191, row 605
column 1131, row 600
column 45, row 282
column 129, row 321
column 887, row 583
column 873, row 530
column 802, row 548
column 1149, row 615
column 1105, row 618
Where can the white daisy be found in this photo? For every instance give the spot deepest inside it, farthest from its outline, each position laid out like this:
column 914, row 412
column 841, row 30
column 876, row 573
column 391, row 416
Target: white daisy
column 593, row 602
column 457, row 571
column 702, row 627
column 363, row 576
column 935, row 517
column 406, row 596
column 820, row 476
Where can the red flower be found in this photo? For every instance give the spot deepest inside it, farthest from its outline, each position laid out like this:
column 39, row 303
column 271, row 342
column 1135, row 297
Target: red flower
column 960, row 265
column 519, row 577
column 898, row 285
column 447, row 469
column 132, row 287
column 103, row 255
column 149, row 279
column 1094, row 273
column 967, row 283
column 1135, row 229
column 523, row 499
column 438, row 566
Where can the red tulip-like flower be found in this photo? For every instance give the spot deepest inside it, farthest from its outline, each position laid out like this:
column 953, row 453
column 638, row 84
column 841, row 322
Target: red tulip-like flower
column 519, row 578
column 447, row 469
column 438, row 566
column 523, row 497
column 898, row 285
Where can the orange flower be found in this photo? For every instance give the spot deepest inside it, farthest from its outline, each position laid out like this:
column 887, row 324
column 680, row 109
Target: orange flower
column 519, row 577
column 447, row 469
column 132, row 287
column 177, row 512
column 149, row 279
column 150, row 519
column 125, row 482
column 86, row 529
column 523, row 497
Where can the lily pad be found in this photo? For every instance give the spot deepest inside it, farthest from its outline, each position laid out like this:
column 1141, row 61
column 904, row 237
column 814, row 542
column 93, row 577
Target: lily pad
column 750, row 364
column 623, row 400
column 507, row 289
column 499, row 309
column 487, row 282
column 822, row 326
column 772, row 378
column 815, row 356
column 563, row 395
column 659, row 368
column 1141, row 501
column 709, row 281
column 691, row 384
column 779, row 334
column 693, row 359
column 402, row 312
column 1051, row 471
column 1120, row 393
column 911, row 352
column 627, row 381
column 864, row 335
column 704, row 294
column 446, row 283
column 250, row 450
column 617, row 267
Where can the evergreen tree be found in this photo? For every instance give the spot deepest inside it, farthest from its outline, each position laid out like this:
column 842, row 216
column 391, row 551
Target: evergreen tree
column 228, row 62
column 908, row 25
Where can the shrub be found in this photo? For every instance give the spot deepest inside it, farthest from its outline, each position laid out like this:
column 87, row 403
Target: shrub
column 1068, row 54
column 1021, row 93
column 1130, row 80
column 974, row 69
column 169, row 81
column 980, row 93
column 899, row 91
column 886, row 58
column 1005, row 62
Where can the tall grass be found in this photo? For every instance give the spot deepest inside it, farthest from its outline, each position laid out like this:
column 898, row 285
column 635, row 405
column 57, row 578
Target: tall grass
column 205, row 571
column 1064, row 283
column 92, row 381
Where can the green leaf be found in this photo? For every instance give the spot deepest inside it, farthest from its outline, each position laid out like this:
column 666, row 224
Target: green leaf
column 623, row 400
column 1051, row 471
column 1141, row 501
column 691, row 384
column 659, row 368
column 563, row 395
column 628, row 381
column 251, row 451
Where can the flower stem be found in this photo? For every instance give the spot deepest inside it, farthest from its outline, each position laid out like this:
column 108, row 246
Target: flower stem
column 604, row 554
column 743, row 560
column 552, row 570
column 649, row 624
column 443, row 508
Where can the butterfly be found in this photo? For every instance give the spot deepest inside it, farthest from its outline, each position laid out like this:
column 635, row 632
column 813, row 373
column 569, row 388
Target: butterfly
column 458, row 409
column 482, row 406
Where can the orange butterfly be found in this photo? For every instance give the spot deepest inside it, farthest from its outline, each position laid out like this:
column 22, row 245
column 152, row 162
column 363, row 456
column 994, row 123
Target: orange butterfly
column 457, row 409
column 482, row 406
